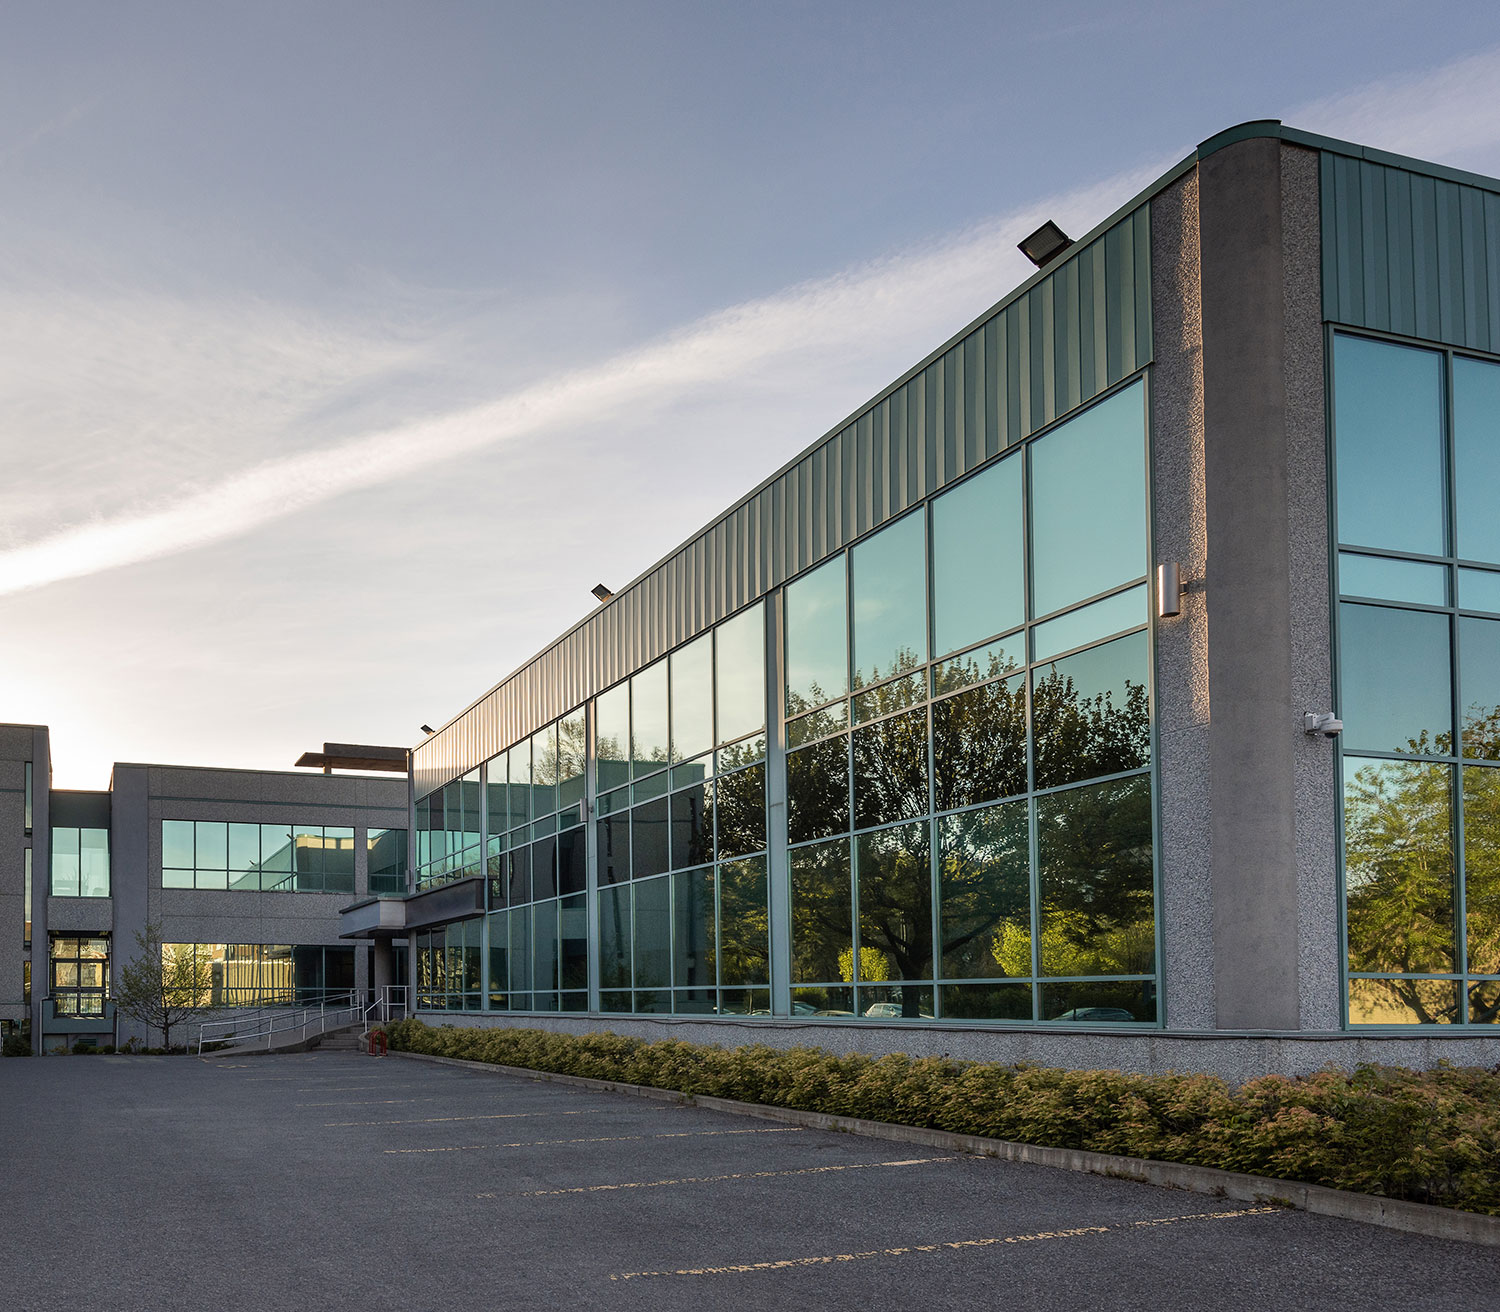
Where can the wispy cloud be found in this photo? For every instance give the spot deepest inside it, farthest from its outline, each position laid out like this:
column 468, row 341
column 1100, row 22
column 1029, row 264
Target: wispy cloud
column 940, row 284
column 1439, row 113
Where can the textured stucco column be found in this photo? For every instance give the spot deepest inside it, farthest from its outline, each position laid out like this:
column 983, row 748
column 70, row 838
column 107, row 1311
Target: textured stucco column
column 1255, row 737
column 1179, row 533
column 1248, row 836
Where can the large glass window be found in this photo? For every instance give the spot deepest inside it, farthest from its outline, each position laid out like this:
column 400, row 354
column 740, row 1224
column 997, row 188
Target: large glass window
column 1005, row 786
column 79, row 967
column 80, row 862
column 1417, row 646
column 282, row 858
column 965, row 715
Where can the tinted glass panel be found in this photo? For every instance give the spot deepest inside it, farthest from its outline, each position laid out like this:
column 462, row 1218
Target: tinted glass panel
column 1125, row 610
column 544, row 869
column 212, row 845
column 614, row 848
column 520, row 957
column 614, row 937
column 177, row 843
column 741, row 812
column 648, row 839
column 1388, row 423
column 988, row 662
column 1479, row 589
column 1403, row 1002
column 520, row 783
column 1393, row 580
column 744, row 923
column 692, row 680
column 890, row 769
column 653, row 930
column 817, row 787
column 1476, row 458
column 978, row 558
column 979, row 744
column 572, row 758
column 1479, row 677
column 1482, row 868
column 1396, row 689
column 544, row 946
column 819, row 724
column 894, row 900
column 544, row 771
column 817, row 651
column 986, row 1001
column 572, row 861
column 573, row 943
column 890, row 601
column 984, row 892
column 740, row 656
column 1088, row 503
column 1398, row 865
column 1102, row 1002
column 648, row 718
column 1095, row 880
column 612, row 736
column 520, row 875
column 1090, row 713
column 692, row 827
column 693, row 932
column 822, row 914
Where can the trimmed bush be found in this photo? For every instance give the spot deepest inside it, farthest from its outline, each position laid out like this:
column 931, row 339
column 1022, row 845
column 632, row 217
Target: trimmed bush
column 1426, row 1136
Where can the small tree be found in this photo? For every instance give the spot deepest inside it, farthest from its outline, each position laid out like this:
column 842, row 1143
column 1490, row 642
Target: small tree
column 165, row 985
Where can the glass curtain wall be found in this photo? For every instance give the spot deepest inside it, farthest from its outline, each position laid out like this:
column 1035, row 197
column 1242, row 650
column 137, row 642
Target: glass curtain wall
column 259, row 974
column 968, row 723
column 1417, row 459
column 968, row 809
column 684, row 923
column 248, row 857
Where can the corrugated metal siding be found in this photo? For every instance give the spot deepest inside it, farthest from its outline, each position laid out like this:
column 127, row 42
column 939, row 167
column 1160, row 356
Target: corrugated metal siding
column 1045, row 351
column 1410, row 254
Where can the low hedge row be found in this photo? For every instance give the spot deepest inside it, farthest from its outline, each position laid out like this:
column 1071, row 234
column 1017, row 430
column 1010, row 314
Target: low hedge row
column 1428, row 1136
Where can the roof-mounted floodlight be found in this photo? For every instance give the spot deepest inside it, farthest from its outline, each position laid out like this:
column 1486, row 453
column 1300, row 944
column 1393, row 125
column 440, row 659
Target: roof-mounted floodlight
column 600, row 591
column 1045, row 244
column 427, row 728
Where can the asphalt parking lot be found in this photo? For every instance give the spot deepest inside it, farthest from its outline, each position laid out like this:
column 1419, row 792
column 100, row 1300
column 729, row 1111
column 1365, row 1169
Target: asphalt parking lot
column 340, row 1181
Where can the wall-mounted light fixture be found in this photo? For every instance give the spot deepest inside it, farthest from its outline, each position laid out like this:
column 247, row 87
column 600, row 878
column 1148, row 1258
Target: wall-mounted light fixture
column 1322, row 724
column 600, row 591
column 1045, row 244
column 1169, row 589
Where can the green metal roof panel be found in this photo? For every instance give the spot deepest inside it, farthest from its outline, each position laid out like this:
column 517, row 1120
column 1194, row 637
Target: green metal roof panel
column 1410, row 253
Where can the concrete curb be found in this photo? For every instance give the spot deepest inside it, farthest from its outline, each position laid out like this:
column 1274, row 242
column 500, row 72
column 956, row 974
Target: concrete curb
column 1370, row 1209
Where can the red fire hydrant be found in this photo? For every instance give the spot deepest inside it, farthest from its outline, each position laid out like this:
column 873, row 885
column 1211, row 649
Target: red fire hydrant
column 377, row 1037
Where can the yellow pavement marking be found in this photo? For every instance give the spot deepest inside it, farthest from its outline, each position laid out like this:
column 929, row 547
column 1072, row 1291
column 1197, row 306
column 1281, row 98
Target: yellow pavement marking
column 951, row 1246
column 611, row 1138
column 490, row 1116
column 738, row 1175
column 367, row 1102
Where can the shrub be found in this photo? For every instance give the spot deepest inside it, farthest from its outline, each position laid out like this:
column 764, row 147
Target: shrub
column 16, row 1045
column 1426, row 1136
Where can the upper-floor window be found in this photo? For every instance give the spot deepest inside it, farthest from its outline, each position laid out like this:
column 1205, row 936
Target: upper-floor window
column 80, row 862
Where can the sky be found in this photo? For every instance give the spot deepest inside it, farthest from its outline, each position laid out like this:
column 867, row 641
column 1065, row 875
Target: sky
column 344, row 347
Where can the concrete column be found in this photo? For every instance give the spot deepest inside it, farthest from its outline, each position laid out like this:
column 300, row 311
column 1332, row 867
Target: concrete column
column 1253, row 727
column 382, row 964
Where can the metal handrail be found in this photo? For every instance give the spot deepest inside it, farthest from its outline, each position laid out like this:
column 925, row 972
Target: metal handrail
column 234, row 1031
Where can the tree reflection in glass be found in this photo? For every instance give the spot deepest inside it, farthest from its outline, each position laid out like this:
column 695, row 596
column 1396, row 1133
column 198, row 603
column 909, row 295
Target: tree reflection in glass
column 1094, row 872
column 744, row 923
column 984, row 891
column 822, row 912
column 894, row 898
column 890, row 769
column 817, row 790
column 1398, row 869
column 1091, row 714
column 979, row 745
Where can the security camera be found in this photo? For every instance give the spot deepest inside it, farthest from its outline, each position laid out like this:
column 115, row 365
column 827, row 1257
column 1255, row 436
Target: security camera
column 1325, row 723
